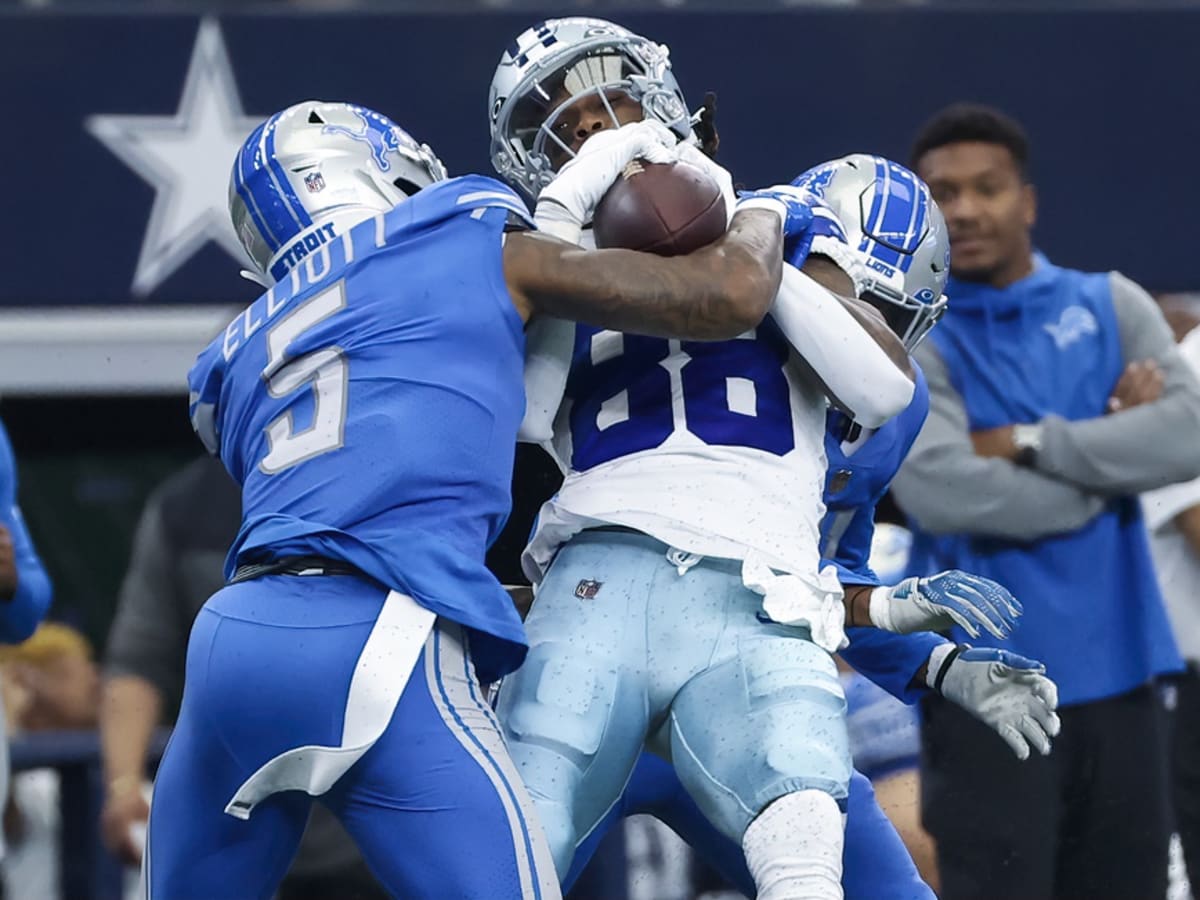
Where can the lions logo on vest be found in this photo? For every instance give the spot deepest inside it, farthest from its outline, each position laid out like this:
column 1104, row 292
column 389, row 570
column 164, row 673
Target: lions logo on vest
column 587, row 589
column 1075, row 322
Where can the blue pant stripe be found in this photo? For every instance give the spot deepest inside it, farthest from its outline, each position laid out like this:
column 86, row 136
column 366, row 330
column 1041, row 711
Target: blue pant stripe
column 498, row 772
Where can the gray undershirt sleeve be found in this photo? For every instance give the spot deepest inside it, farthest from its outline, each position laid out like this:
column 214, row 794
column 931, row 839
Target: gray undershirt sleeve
column 1144, row 447
column 948, row 489
column 147, row 633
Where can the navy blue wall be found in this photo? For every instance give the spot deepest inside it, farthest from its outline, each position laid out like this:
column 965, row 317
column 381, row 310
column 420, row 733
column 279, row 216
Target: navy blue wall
column 1109, row 99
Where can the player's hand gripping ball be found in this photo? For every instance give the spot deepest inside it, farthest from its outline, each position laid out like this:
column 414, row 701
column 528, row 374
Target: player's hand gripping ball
column 663, row 208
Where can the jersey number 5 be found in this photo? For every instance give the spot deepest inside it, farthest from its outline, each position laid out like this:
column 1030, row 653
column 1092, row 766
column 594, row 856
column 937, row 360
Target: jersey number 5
column 326, row 373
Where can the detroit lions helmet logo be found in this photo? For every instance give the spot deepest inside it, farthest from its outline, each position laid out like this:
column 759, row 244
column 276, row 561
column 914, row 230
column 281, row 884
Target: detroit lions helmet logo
column 816, row 179
column 381, row 138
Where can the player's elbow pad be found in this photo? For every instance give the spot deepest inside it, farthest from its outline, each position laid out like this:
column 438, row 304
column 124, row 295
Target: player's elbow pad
column 890, row 396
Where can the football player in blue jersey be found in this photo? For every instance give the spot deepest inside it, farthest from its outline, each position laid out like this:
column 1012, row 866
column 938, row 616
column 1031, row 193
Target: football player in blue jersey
column 368, row 405
column 681, row 601
column 25, row 590
column 903, row 278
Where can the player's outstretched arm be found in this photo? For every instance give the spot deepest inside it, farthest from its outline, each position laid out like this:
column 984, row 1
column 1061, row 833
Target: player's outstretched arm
column 819, row 249
column 826, row 273
column 716, row 293
column 1008, row 693
column 934, row 603
column 856, row 373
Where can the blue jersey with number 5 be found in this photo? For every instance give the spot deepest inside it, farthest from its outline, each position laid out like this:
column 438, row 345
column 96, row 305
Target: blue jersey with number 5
column 369, row 403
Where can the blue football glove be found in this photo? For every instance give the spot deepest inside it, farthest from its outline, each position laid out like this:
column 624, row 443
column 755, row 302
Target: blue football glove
column 943, row 600
column 824, row 235
column 1007, row 692
column 796, row 209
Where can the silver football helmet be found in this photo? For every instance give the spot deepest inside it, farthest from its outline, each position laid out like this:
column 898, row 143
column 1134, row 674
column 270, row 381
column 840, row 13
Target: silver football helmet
column 316, row 165
column 891, row 219
column 550, row 67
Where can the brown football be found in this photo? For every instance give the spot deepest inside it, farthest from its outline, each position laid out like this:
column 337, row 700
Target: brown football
column 663, row 208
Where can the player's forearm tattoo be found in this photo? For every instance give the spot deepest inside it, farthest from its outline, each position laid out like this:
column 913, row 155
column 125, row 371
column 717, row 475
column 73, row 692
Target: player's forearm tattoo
column 715, row 293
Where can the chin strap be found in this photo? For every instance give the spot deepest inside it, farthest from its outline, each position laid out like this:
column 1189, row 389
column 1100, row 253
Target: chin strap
column 257, row 277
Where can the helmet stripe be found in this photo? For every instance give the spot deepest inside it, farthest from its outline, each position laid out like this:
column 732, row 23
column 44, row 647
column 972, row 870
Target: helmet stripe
column 279, row 176
column 247, row 196
column 878, row 216
column 264, row 188
column 916, row 222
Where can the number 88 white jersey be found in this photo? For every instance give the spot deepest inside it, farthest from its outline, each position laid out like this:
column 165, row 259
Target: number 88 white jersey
column 715, row 448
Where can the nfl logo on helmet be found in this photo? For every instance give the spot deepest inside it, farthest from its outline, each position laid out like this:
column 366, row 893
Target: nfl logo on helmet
column 314, row 182
column 587, row 589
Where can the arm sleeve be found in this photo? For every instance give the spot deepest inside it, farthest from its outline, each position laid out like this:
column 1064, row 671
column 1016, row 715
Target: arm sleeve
column 549, row 343
column 1141, row 448
column 147, row 632
column 855, row 371
column 19, row 617
column 891, row 660
column 948, row 489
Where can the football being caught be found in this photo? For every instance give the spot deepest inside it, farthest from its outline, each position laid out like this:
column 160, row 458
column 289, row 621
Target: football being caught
column 663, row 208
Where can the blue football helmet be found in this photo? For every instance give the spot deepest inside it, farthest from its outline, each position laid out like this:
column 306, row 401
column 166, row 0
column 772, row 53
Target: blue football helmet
column 315, row 169
column 900, row 236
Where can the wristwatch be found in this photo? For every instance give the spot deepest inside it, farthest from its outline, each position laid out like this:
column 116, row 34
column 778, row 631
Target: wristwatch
column 1028, row 441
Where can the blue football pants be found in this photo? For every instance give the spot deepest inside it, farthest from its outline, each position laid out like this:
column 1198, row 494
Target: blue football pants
column 435, row 804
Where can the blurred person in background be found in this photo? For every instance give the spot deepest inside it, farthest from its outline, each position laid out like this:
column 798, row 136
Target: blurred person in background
column 1056, row 397
column 24, row 587
column 1173, row 520
column 185, row 530
column 50, row 683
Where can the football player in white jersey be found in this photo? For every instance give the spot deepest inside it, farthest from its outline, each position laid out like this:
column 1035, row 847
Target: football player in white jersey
column 681, row 604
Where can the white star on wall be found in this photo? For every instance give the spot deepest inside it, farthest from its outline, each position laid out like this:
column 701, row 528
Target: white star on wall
column 187, row 158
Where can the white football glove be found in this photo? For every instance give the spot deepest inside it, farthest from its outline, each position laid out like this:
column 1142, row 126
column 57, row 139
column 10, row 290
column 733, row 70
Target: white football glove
column 1007, row 692
column 567, row 203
